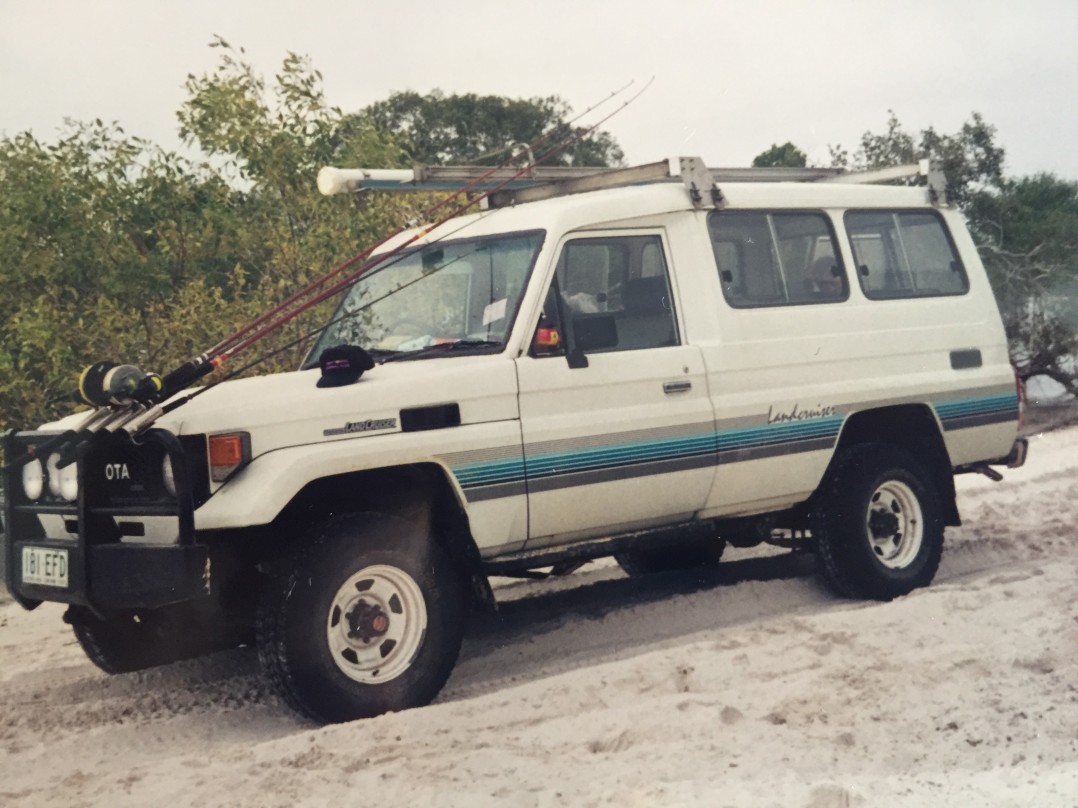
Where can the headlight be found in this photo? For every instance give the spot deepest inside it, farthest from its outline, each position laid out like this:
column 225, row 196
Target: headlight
column 63, row 482
column 169, row 476
column 69, row 482
column 54, row 473
column 33, row 479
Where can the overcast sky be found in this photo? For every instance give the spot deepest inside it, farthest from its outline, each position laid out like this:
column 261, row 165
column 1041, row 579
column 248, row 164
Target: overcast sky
column 731, row 78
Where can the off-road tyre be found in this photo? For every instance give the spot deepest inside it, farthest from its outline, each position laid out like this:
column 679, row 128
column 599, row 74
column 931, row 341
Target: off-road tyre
column 310, row 634
column 877, row 523
column 673, row 558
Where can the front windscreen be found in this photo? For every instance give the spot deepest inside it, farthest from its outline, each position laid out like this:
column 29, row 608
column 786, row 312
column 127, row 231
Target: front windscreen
column 459, row 294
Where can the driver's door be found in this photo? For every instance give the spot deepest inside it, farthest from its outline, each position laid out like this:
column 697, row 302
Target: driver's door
column 626, row 441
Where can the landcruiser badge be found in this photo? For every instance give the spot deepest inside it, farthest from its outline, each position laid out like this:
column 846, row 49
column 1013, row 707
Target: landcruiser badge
column 798, row 414
column 362, row 426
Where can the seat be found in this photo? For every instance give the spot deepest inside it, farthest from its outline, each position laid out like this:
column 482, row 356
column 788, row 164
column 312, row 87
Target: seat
column 647, row 320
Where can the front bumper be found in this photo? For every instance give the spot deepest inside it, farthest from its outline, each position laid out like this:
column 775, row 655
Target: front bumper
column 89, row 538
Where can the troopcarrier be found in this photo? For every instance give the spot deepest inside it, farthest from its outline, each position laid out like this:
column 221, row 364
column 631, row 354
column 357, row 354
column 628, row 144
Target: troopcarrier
column 649, row 364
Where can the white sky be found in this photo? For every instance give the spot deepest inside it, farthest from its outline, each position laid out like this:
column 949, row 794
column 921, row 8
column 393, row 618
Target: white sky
column 731, row 78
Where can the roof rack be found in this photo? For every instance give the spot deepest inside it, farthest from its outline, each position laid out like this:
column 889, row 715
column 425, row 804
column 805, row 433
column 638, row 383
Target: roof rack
column 544, row 182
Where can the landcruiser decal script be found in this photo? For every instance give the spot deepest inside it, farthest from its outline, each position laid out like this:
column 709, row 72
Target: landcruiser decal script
column 797, row 414
column 495, row 473
column 362, row 426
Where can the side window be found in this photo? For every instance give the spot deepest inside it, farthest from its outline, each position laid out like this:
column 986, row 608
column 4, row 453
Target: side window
column 618, row 286
column 776, row 259
column 904, row 254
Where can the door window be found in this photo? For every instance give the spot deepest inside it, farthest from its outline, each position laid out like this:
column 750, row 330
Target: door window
column 618, row 285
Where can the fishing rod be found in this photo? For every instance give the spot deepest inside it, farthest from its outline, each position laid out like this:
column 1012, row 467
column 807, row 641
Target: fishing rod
column 425, row 214
column 173, row 404
column 201, row 365
column 131, row 399
column 460, row 208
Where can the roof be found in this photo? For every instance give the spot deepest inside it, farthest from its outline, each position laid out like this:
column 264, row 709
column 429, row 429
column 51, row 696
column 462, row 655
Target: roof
column 595, row 208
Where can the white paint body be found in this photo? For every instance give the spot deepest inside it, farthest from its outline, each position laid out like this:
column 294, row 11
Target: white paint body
column 743, row 365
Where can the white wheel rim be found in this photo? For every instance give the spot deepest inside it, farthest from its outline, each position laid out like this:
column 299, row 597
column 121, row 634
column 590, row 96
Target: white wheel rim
column 376, row 624
column 894, row 524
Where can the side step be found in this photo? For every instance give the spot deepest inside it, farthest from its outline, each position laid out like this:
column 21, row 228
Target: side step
column 683, row 533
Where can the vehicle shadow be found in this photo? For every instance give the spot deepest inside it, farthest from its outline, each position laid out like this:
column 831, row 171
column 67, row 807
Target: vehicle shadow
column 546, row 633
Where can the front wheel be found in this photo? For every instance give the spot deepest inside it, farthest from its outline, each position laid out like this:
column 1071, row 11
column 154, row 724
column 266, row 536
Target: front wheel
column 365, row 619
column 877, row 523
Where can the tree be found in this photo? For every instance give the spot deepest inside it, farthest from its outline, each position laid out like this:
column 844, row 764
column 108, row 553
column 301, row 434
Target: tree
column 117, row 250
column 785, row 155
column 970, row 158
column 1027, row 233
column 1025, row 230
column 102, row 234
column 444, row 129
column 274, row 140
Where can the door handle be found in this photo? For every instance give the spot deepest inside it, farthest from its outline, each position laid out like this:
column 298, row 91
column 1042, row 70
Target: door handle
column 676, row 387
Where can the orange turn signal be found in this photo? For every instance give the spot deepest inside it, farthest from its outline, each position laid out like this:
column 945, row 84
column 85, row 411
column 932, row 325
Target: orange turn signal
column 228, row 453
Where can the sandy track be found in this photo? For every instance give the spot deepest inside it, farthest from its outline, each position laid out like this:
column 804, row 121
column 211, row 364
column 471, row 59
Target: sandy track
column 752, row 686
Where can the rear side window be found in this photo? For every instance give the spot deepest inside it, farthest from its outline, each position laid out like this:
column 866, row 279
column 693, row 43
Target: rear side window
column 904, row 254
column 776, row 259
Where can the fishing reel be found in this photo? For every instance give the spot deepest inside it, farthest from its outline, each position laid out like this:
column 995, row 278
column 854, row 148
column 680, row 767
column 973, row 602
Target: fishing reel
column 104, row 383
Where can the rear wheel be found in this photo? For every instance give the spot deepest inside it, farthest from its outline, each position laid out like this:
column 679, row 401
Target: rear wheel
column 365, row 619
column 877, row 523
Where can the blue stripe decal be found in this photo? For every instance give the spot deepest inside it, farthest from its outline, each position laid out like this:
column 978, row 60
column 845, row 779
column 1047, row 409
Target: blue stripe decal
column 619, row 455
column 1006, row 404
column 794, row 437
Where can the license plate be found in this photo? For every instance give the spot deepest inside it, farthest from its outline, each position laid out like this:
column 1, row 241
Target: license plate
column 42, row 566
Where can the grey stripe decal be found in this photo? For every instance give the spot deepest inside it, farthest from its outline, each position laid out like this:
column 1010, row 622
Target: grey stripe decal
column 810, row 445
column 628, row 472
column 951, row 424
column 491, row 473
column 483, row 492
column 634, row 436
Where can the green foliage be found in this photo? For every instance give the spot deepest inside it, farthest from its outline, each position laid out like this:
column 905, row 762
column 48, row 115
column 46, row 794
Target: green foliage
column 274, row 141
column 99, row 232
column 1027, row 232
column 116, row 250
column 1025, row 229
column 970, row 158
column 785, row 155
column 473, row 129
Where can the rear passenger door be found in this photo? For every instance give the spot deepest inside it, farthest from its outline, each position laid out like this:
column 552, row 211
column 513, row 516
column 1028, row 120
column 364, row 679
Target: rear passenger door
column 624, row 439
column 783, row 368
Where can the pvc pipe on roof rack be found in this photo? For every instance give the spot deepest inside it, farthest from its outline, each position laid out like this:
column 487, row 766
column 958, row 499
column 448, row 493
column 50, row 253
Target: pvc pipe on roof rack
column 346, row 180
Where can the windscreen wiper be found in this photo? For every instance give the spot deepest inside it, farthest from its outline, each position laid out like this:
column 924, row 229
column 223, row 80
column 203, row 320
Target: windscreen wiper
column 442, row 347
